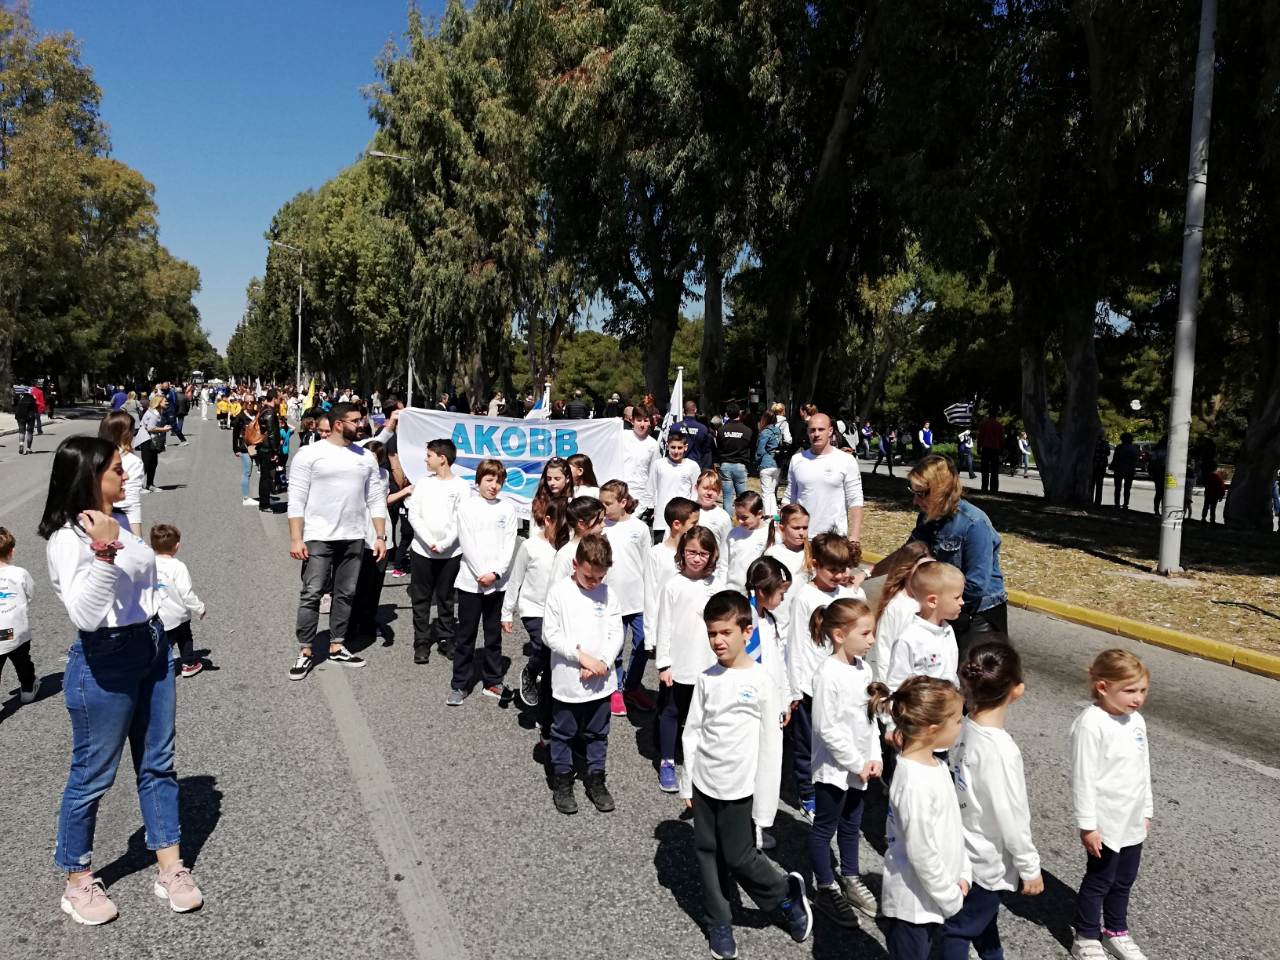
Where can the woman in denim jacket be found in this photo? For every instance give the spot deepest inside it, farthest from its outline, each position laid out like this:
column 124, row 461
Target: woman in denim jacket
column 960, row 534
column 768, row 445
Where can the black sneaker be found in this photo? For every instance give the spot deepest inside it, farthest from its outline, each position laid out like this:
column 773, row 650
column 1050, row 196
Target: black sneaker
column 421, row 654
column 345, row 657
column 446, row 649
column 541, row 752
column 831, row 902
column 301, row 667
column 796, row 909
column 720, row 939
column 598, row 793
column 562, row 787
column 528, row 687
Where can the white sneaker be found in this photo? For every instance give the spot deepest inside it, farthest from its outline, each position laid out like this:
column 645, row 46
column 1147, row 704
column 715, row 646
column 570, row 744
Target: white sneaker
column 1122, row 947
column 248, row 502
column 1087, row 950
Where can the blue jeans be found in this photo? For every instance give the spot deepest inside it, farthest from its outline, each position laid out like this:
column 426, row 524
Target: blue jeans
column 118, row 686
column 733, row 478
column 246, row 465
column 839, row 813
column 630, row 678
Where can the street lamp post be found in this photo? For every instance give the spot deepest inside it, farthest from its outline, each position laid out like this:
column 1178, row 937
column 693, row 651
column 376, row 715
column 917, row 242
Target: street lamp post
column 413, row 180
column 298, row 251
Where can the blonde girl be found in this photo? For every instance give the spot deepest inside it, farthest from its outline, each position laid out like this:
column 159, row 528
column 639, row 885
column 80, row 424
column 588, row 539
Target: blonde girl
column 708, row 492
column 747, row 539
column 628, row 581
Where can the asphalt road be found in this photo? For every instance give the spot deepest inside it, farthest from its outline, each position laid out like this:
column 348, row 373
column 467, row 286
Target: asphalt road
column 353, row 814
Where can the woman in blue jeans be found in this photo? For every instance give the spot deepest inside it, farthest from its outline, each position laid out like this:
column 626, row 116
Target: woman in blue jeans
column 118, row 683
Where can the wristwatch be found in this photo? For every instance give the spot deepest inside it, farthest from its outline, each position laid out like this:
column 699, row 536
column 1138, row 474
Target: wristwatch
column 382, row 537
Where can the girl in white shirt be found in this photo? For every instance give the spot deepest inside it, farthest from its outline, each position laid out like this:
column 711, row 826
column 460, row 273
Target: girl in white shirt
column 585, row 483
column 582, row 515
column 1111, row 793
column 747, row 539
column 926, row 869
column 788, row 542
column 530, row 582
column 118, row 428
column 986, row 767
column 628, row 577
column 767, row 584
column 682, row 651
column 709, row 493
column 846, row 756
column 896, row 607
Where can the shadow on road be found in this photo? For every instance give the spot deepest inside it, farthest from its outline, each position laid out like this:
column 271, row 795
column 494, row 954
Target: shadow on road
column 46, row 687
column 199, row 810
column 1052, row 910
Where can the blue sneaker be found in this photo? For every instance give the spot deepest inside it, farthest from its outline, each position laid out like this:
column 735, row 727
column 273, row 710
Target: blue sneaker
column 720, row 937
column 667, row 776
column 796, row 909
column 808, row 807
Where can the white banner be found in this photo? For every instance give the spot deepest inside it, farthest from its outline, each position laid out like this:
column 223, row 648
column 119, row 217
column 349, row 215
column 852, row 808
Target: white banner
column 522, row 446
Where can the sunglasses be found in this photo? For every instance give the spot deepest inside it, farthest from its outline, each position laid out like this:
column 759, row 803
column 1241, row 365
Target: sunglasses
column 916, row 491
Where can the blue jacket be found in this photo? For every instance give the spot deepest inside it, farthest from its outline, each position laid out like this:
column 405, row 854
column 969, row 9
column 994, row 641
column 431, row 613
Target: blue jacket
column 767, row 445
column 967, row 540
column 699, row 437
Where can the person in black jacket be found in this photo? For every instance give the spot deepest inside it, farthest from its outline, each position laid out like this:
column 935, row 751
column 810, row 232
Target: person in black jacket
column 180, row 411
column 24, row 411
column 268, row 448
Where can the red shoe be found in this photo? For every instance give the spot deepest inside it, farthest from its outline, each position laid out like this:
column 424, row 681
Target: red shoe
column 637, row 699
column 616, row 705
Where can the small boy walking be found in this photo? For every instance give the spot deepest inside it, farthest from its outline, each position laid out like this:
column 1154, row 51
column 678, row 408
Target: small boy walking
column 178, row 600
column 16, row 592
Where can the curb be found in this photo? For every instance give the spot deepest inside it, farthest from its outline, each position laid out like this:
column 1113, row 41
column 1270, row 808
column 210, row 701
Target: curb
column 74, row 413
column 1230, row 654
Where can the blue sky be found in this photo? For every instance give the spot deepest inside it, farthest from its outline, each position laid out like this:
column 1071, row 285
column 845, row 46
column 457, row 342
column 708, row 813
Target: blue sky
column 230, row 108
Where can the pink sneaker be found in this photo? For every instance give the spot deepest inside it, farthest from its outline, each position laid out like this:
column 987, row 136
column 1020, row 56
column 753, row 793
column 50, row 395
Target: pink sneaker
column 86, row 901
column 175, row 885
column 617, row 705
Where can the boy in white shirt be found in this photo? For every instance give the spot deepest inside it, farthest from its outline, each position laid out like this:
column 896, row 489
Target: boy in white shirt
column 435, row 554
column 487, row 537
column 672, row 476
column 927, row 646
column 639, row 453
column 16, row 592
column 733, row 750
column 582, row 627
column 178, row 600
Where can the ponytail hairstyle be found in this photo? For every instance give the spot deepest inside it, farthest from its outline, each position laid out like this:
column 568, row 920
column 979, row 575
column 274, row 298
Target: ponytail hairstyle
column 543, row 495
column 840, row 614
column 901, row 566
column 1110, row 666
column 784, row 517
column 766, row 575
column 583, row 463
column 705, row 539
column 619, row 491
column 555, row 511
column 751, row 501
column 921, row 702
column 833, row 552
column 584, row 512
column 989, row 674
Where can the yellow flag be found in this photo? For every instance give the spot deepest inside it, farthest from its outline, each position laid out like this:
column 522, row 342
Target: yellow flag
column 311, row 395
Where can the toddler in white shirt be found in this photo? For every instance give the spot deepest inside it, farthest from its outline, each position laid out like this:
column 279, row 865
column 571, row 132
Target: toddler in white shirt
column 178, row 600
column 16, row 592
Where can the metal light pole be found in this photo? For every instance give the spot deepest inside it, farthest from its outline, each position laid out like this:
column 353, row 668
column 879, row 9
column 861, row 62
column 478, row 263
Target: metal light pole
column 380, row 155
column 298, row 251
column 1184, row 354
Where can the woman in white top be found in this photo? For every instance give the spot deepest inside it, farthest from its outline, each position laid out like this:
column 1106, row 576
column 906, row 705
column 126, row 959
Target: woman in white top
column 117, row 427
column 119, row 679
column 145, row 441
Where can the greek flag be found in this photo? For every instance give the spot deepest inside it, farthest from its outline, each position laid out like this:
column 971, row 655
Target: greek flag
column 753, row 644
column 959, row 414
column 542, row 409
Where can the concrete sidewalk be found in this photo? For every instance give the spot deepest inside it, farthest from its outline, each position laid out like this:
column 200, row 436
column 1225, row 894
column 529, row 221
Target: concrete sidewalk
column 9, row 426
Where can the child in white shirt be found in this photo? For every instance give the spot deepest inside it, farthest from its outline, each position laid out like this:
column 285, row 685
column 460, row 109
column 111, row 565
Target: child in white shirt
column 178, row 600
column 487, row 536
column 582, row 628
column 747, row 539
column 846, row 756
column 631, row 542
column 1111, row 793
column 585, row 483
column 672, row 476
column 788, row 543
column 680, row 654
column 733, row 749
column 926, row 870
column 681, row 514
column 927, row 646
column 583, row 515
column 896, row 607
column 986, row 767
column 435, row 553
column 17, row 590
column 529, row 583
column 709, row 494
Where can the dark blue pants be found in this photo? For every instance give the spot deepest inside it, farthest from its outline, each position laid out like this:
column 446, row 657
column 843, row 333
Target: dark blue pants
column 909, row 941
column 673, row 710
column 1105, row 891
column 839, row 814
column 478, row 611
column 802, row 746
column 580, row 728
column 976, row 924
column 540, row 666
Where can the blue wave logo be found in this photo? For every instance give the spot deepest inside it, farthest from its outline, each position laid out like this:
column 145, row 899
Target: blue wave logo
column 5, row 595
column 522, row 475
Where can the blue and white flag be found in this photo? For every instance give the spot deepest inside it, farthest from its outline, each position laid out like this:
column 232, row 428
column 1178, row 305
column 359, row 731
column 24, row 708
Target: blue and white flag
column 542, row 409
column 959, row 414
column 675, row 406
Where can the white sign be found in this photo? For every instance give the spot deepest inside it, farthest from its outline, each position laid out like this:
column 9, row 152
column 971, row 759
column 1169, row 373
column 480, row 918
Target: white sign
column 522, row 446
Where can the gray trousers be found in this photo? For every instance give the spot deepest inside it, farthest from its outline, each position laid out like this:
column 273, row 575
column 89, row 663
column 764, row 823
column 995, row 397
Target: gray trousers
column 725, row 839
column 339, row 559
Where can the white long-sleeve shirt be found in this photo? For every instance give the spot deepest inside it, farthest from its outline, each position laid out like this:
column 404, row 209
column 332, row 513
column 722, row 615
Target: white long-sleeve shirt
column 487, row 535
column 721, row 524
column 793, row 560
column 925, row 860
column 629, row 575
column 384, row 484
column 897, row 616
column 773, row 655
column 844, row 739
column 805, row 656
column 745, row 547
column 334, row 489
column 669, row 480
column 1111, row 776
column 98, row 594
column 923, row 649
column 17, row 590
column 682, row 643
column 986, row 767
column 433, row 514
column 662, row 567
column 588, row 620
column 827, row 486
column 638, row 458
column 135, row 475
column 529, row 581
column 733, row 739
column 562, row 565
column 178, row 600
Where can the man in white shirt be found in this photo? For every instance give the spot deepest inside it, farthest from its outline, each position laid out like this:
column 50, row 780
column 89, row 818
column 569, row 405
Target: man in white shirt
column 639, row 452
column 333, row 492
column 828, row 483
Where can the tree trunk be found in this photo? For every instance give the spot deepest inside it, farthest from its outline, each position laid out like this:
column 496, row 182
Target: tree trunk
column 711, row 360
column 876, row 387
column 663, row 321
column 1249, row 499
column 779, row 314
